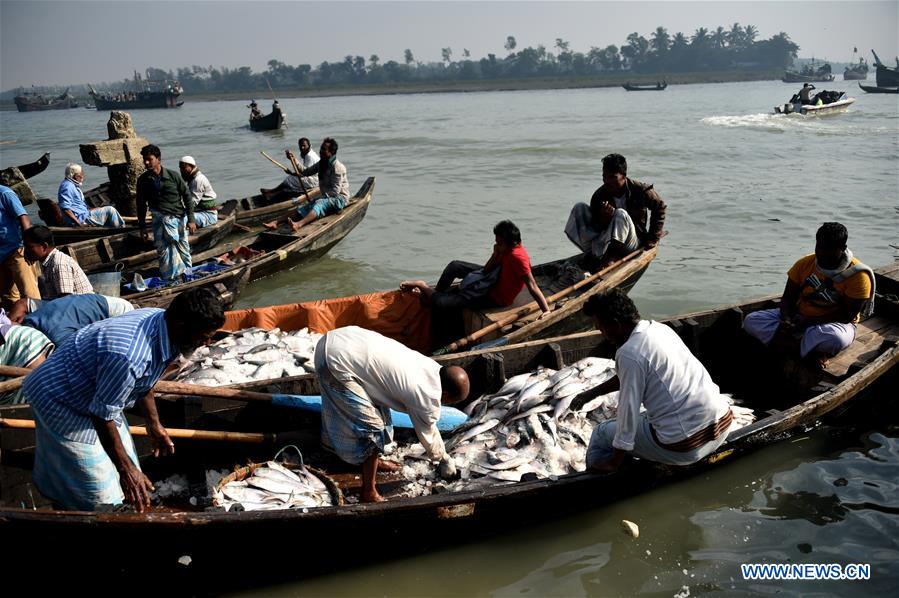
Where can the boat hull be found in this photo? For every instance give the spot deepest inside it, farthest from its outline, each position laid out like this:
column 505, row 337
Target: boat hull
column 270, row 122
column 217, row 541
column 810, row 110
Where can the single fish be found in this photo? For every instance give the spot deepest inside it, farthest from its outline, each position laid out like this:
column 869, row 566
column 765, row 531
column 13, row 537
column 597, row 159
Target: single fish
column 513, row 385
column 533, row 411
column 569, row 389
column 594, row 361
column 563, row 374
column 476, row 430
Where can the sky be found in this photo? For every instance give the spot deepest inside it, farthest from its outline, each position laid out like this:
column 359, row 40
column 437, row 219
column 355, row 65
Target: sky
column 72, row 42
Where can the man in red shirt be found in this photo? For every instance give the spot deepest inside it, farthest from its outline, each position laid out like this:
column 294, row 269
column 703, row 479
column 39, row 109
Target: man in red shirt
column 496, row 284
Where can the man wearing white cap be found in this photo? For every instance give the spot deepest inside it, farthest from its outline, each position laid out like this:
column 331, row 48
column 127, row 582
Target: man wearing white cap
column 201, row 192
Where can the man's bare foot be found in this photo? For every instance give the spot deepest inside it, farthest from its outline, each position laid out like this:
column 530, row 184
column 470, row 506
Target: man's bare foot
column 372, row 497
column 388, row 466
column 296, row 226
column 273, row 225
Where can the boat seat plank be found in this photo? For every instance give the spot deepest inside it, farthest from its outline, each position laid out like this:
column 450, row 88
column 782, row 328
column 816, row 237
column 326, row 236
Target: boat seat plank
column 871, row 334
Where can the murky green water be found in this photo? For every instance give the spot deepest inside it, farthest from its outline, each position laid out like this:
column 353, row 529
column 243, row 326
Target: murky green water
column 746, row 191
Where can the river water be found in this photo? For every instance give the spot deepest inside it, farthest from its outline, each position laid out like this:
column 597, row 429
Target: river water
column 746, row 191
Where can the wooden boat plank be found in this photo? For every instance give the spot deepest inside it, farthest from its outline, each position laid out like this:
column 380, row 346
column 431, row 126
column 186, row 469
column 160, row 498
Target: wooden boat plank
column 871, row 334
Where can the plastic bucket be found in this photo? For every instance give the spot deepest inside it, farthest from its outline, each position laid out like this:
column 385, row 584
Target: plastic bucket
column 106, row 283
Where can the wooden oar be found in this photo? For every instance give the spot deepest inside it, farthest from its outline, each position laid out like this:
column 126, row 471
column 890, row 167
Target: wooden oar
column 276, row 163
column 182, row 433
column 532, row 307
column 296, row 167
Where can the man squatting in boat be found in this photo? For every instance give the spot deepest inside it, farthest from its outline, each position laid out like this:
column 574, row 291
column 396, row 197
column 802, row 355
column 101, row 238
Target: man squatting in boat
column 201, row 192
column 362, row 375
column 826, row 294
column 686, row 416
column 615, row 222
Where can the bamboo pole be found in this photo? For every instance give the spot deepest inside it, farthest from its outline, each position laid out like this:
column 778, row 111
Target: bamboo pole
column 180, row 433
column 533, row 307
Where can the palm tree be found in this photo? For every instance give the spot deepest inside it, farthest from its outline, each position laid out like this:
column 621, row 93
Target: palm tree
column 660, row 40
column 735, row 36
column 510, row 44
column 719, row 38
column 700, row 38
column 749, row 35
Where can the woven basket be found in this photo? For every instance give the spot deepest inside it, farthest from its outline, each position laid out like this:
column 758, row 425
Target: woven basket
column 242, row 473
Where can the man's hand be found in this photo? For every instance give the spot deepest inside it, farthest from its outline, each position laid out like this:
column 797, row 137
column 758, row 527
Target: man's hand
column 163, row 444
column 544, row 314
column 136, row 487
column 192, row 227
column 651, row 243
column 447, row 468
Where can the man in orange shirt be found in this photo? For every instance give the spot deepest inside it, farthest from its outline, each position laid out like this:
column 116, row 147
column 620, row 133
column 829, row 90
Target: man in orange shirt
column 826, row 295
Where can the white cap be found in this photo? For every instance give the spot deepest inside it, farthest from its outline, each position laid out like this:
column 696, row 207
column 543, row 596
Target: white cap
column 188, row 160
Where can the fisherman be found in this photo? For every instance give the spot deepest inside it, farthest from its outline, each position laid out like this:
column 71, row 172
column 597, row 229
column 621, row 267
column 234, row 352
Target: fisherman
column 686, row 416
column 615, row 238
column 826, row 294
column 201, row 192
column 332, row 182
column 290, row 186
column 61, row 318
column 17, row 279
column 75, row 211
column 21, row 347
column 254, row 110
column 805, row 93
column 84, row 455
column 169, row 201
column 362, row 375
column 61, row 273
column 495, row 284
column 634, row 197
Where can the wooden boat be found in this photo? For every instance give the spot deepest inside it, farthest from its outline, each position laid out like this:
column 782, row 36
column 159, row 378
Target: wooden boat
column 274, row 120
column 874, row 89
column 33, row 169
column 786, row 398
column 127, row 252
column 401, row 315
column 886, row 76
column 15, row 177
column 279, row 251
column 659, row 86
column 255, row 210
column 145, row 94
column 856, row 72
column 809, row 74
column 228, row 285
column 811, row 110
column 34, row 102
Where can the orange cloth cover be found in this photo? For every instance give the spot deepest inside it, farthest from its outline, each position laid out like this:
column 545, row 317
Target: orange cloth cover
column 394, row 314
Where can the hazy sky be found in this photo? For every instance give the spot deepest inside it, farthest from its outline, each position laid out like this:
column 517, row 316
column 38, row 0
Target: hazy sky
column 43, row 42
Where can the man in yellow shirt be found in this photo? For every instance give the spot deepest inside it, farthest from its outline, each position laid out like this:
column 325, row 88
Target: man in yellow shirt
column 826, row 295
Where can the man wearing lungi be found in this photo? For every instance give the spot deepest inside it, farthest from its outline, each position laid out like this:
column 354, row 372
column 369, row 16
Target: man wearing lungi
column 21, row 347
column 826, row 295
column 167, row 196
column 363, row 375
column 84, row 455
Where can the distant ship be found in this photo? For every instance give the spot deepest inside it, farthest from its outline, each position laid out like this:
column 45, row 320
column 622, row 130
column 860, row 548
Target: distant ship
column 31, row 102
column 809, row 74
column 145, row 93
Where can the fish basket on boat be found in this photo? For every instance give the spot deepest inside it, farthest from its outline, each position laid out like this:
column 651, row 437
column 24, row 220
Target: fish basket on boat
column 242, row 473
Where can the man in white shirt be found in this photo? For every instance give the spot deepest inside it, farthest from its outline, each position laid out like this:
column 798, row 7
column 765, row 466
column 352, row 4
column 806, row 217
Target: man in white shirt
column 604, row 237
column 290, row 186
column 685, row 417
column 362, row 375
column 201, row 192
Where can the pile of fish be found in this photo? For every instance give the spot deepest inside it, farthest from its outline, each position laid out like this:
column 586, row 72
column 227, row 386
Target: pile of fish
column 273, row 486
column 526, row 430
column 251, row 354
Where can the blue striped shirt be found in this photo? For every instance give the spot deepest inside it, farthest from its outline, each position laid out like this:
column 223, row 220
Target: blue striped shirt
column 100, row 371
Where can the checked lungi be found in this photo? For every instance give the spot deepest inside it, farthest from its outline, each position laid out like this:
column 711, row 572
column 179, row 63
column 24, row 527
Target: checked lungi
column 353, row 427
column 172, row 246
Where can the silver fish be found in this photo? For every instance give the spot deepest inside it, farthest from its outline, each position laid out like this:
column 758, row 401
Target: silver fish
column 478, row 429
column 513, row 384
column 533, row 411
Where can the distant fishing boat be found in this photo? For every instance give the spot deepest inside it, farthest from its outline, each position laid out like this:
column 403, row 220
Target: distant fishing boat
column 809, row 74
column 270, row 122
column 873, row 89
column 145, row 93
column 886, row 76
column 33, row 102
column 659, row 86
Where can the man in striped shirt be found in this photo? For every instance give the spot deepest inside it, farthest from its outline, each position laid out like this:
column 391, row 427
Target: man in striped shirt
column 84, row 455
column 61, row 273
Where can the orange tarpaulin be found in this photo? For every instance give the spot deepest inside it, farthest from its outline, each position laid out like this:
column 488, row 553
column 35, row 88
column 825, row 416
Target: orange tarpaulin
column 395, row 314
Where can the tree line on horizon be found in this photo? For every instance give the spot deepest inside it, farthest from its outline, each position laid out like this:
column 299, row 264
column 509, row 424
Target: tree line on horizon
column 733, row 48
